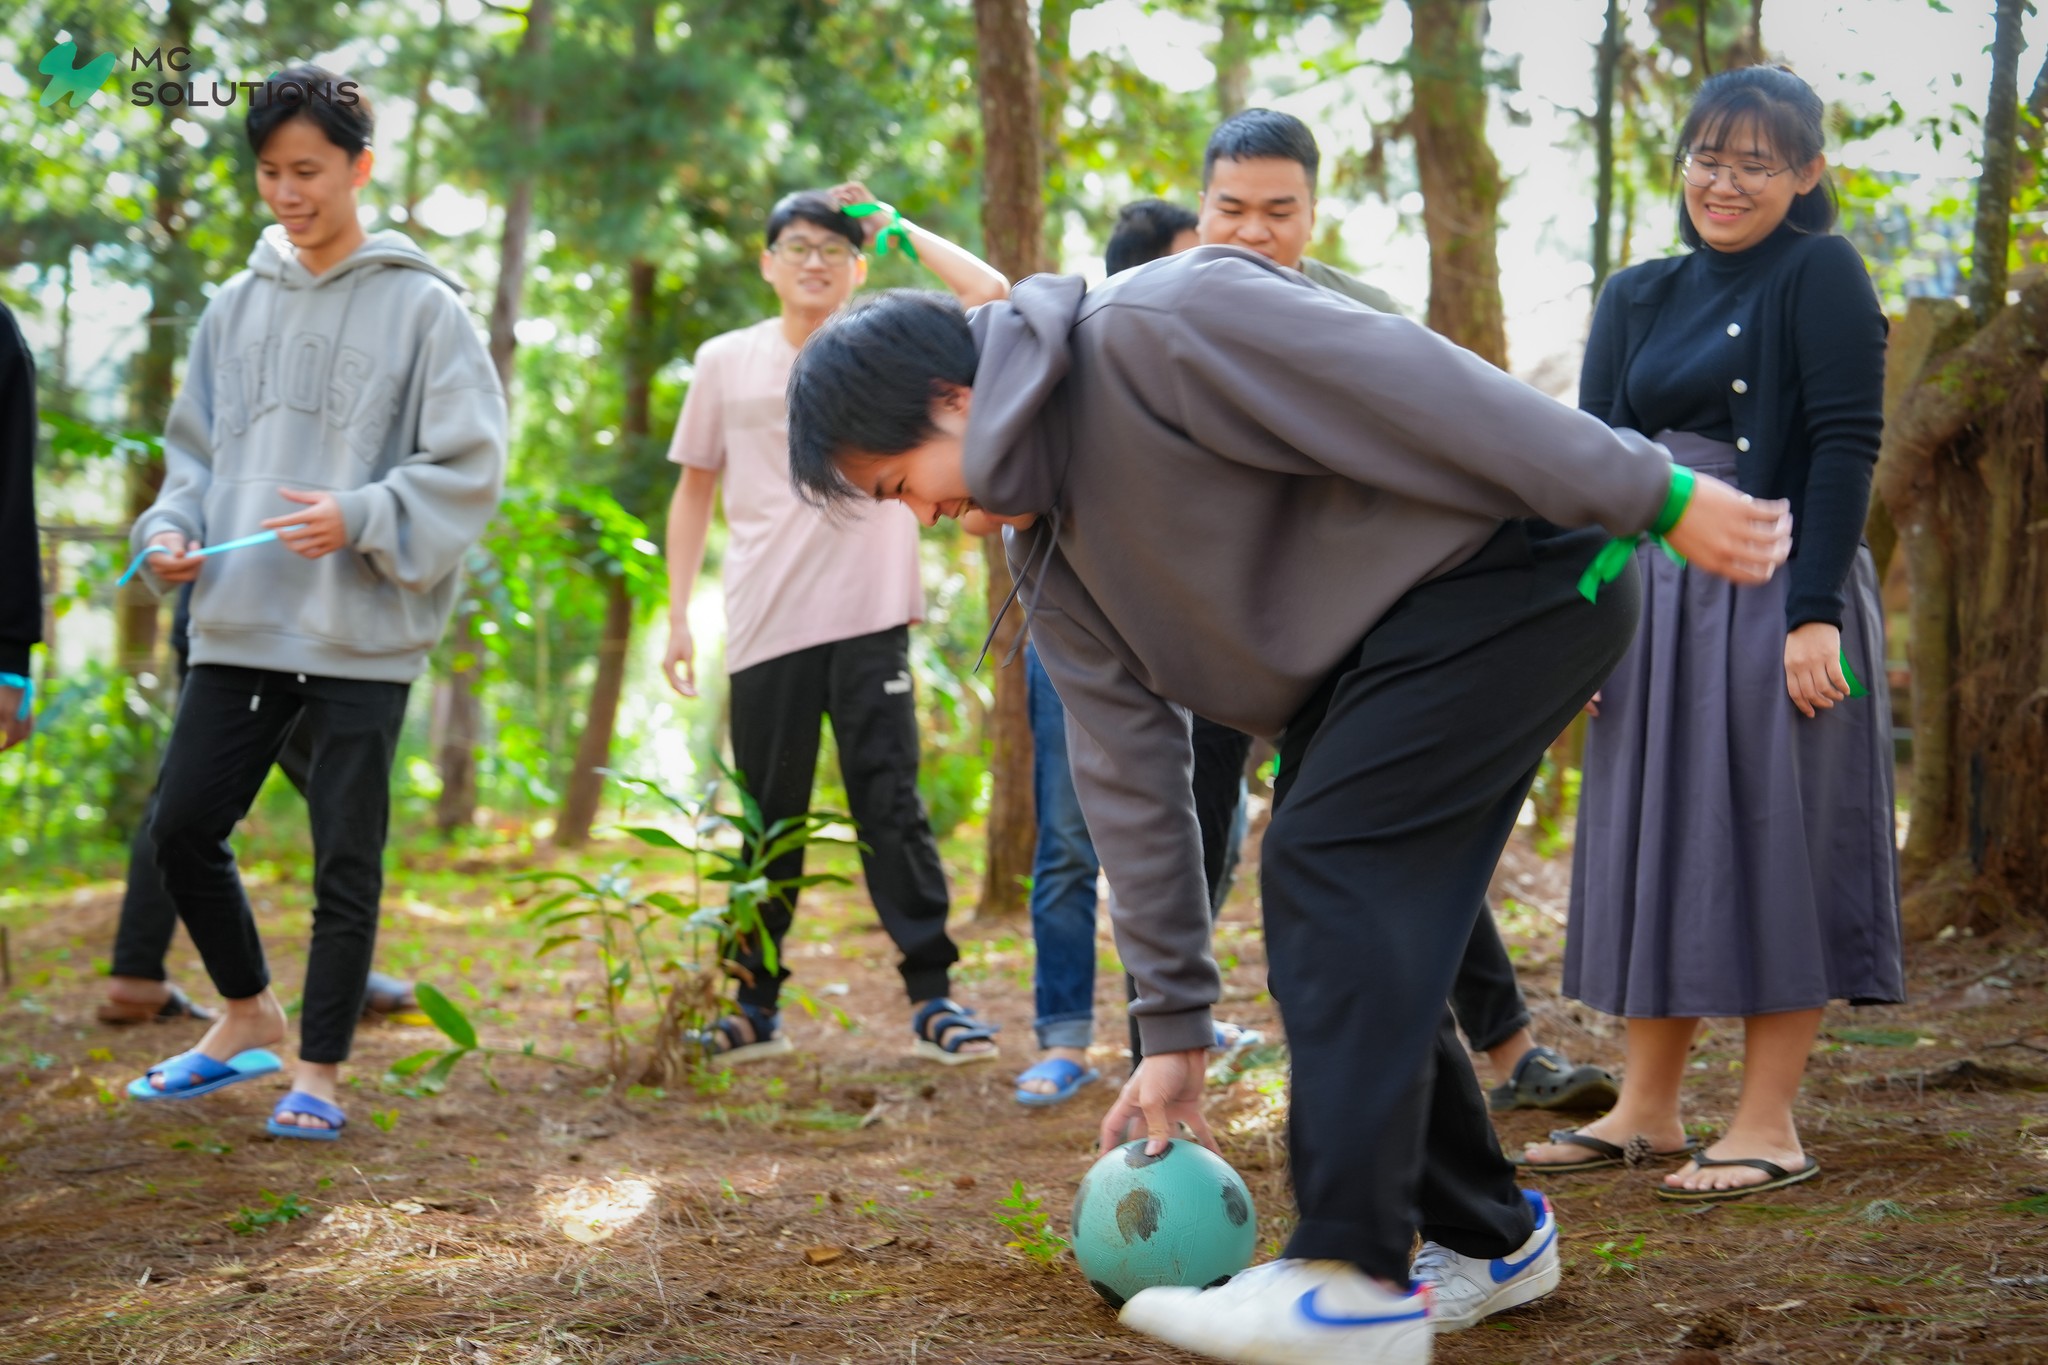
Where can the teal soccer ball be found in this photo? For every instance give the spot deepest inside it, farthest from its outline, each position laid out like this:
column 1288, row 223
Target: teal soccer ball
column 1180, row 1218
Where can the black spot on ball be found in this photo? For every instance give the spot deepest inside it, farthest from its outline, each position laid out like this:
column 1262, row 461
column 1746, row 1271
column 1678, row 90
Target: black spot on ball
column 1137, row 1215
column 1135, row 1157
column 1109, row 1296
column 1234, row 1207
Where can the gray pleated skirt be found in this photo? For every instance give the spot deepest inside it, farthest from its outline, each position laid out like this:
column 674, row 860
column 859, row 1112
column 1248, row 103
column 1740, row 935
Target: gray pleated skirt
column 1734, row 857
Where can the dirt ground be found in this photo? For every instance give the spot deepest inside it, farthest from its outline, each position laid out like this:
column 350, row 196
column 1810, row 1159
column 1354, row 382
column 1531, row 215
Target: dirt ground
column 459, row 1227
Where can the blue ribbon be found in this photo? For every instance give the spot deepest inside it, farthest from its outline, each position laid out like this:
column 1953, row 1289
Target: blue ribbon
column 260, row 538
column 27, row 688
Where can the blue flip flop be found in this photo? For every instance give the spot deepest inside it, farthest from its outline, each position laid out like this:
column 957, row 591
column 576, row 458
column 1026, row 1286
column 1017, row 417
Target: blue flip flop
column 1066, row 1075
column 194, row 1073
column 299, row 1102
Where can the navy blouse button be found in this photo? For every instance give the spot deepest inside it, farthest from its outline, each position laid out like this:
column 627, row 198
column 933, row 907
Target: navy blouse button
column 1735, row 329
column 1742, row 443
column 1740, row 386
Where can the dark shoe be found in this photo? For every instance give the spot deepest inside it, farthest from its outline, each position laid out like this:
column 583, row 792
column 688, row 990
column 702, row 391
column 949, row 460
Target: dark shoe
column 176, row 1005
column 388, row 995
column 1546, row 1079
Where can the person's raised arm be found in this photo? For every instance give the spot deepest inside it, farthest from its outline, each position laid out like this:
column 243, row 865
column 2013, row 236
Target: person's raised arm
column 972, row 280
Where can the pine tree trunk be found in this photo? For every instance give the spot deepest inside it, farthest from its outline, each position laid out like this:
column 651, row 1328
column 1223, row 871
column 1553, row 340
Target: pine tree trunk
column 174, row 303
column 594, row 749
column 1964, row 471
column 458, row 711
column 1233, row 59
column 1461, row 184
column 1013, row 230
column 1607, row 75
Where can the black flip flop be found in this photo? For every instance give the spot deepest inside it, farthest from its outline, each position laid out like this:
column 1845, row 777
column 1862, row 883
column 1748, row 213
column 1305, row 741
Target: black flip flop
column 1779, row 1179
column 1606, row 1154
column 177, row 1005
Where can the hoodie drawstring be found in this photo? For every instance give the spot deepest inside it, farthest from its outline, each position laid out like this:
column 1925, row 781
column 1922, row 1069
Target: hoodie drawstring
column 1048, row 535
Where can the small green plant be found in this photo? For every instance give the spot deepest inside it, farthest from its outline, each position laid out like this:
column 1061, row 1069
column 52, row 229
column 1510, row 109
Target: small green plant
column 384, row 1120
column 281, row 1209
column 212, row 1146
column 1028, row 1225
column 427, row 1072
column 670, row 967
column 1613, row 1256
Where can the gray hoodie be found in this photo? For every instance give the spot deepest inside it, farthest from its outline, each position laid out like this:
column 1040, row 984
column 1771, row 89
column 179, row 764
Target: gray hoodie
column 1238, row 474
column 367, row 381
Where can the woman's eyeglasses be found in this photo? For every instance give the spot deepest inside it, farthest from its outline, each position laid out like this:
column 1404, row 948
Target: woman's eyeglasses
column 1746, row 177
column 796, row 251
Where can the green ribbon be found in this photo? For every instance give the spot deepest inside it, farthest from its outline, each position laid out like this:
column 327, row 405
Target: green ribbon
column 1856, row 688
column 895, row 231
column 1615, row 554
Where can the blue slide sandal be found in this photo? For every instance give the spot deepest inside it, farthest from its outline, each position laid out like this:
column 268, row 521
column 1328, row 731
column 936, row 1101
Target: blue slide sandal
column 194, row 1073
column 1066, row 1075
column 299, row 1102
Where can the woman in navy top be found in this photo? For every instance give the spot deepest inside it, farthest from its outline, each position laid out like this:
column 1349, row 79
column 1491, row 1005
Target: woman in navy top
column 1736, row 851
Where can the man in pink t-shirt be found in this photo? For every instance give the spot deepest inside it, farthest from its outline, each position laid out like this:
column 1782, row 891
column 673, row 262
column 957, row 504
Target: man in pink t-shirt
column 818, row 611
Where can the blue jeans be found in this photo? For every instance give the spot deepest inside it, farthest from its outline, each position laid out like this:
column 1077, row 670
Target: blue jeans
column 1063, row 875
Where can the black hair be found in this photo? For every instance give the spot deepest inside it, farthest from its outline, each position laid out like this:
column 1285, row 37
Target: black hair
column 1261, row 134
column 811, row 206
column 1786, row 111
column 1144, row 232
column 865, row 381
column 335, row 104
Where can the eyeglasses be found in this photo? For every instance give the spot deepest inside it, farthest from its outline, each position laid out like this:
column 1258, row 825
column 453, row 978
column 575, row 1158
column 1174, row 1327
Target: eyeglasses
column 796, row 251
column 1746, row 177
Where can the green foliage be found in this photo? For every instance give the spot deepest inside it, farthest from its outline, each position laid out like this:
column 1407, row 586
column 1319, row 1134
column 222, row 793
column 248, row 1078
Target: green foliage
column 668, row 964
column 1030, row 1230
column 1614, row 1257
column 276, row 1210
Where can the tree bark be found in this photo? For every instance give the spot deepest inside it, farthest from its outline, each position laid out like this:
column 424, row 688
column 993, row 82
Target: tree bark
column 174, row 300
column 1461, row 184
column 594, row 749
column 1993, row 235
column 1607, row 72
column 1964, row 470
column 1013, row 231
column 458, row 711
column 1233, row 59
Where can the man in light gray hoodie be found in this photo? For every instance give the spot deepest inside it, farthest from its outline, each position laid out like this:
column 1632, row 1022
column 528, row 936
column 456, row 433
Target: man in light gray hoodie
column 1237, row 495
column 338, row 396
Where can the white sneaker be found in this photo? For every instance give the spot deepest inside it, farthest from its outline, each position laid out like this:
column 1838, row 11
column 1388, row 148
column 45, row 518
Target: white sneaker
column 1468, row 1289
column 1290, row 1313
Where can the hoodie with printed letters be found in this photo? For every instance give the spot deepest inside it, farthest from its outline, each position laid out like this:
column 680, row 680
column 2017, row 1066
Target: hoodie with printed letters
column 369, row 382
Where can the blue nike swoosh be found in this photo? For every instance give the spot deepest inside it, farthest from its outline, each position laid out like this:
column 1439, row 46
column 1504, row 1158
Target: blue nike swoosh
column 1307, row 1305
column 1505, row 1270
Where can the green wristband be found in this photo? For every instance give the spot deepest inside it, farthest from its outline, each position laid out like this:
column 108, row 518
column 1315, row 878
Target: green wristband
column 1683, row 480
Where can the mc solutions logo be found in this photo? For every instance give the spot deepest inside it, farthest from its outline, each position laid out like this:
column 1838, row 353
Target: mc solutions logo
column 80, row 84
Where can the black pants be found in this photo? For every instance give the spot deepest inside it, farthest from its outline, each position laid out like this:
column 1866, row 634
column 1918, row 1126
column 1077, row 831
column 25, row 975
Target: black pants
column 863, row 685
column 1375, row 866
column 232, row 726
column 149, row 917
column 1486, row 1000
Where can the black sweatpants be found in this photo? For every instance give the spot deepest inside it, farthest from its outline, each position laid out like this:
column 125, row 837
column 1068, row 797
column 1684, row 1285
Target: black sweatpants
column 863, row 685
column 1375, row 867
column 231, row 727
column 1486, row 1000
column 149, row 917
